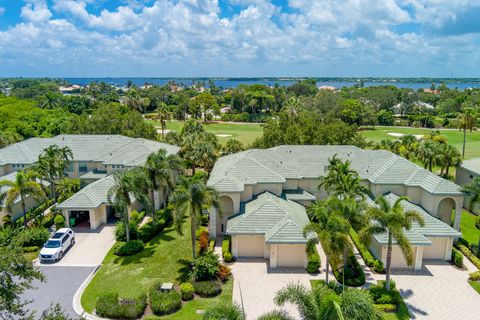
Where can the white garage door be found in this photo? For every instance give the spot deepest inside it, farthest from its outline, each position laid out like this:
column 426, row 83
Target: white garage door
column 398, row 261
column 251, row 246
column 436, row 250
column 291, row 255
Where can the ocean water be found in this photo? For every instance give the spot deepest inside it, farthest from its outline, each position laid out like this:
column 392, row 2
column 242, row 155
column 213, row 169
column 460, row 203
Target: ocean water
column 338, row 83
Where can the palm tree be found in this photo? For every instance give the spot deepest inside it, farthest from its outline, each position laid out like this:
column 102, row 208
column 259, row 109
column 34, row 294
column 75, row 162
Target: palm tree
column 407, row 146
column 189, row 199
column 163, row 114
column 129, row 185
column 322, row 302
column 427, row 153
column 232, row 146
column 52, row 163
column 25, row 185
column 466, row 120
column 392, row 220
column 276, row 315
column 160, row 171
column 205, row 155
column 67, row 187
column 332, row 229
column 449, row 156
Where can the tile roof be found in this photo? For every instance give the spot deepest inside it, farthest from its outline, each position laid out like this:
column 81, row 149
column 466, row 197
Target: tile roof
column 298, row 195
column 91, row 196
column 417, row 235
column 275, row 165
column 472, row 165
column 280, row 220
column 108, row 149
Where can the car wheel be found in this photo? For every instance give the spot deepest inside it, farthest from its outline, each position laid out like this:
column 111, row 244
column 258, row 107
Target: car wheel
column 73, row 241
column 60, row 256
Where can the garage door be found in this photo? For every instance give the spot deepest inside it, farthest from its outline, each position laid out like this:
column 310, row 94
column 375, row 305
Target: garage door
column 251, row 246
column 436, row 250
column 291, row 255
column 398, row 261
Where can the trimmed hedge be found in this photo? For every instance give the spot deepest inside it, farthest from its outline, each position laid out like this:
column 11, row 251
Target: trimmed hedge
column 109, row 306
column 211, row 245
column 364, row 252
column 186, row 290
column 121, row 234
column 477, row 223
column 389, row 308
column 150, row 230
column 59, row 221
column 467, row 253
column 208, row 288
column 387, row 301
column 474, row 276
column 163, row 303
column 226, row 245
column 313, row 258
column 457, row 258
column 31, row 237
column 129, row 248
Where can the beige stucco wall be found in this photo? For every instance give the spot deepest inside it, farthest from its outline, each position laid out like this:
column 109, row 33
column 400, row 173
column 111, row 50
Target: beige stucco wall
column 436, row 250
column 275, row 188
column 227, row 205
column 464, row 176
column 247, row 193
column 290, row 184
column 17, row 210
column 98, row 216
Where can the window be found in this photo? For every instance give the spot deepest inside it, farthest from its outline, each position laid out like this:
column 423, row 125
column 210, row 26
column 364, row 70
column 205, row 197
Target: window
column 69, row 167
column 82, row 166
column 471, row 176
column 17, row 166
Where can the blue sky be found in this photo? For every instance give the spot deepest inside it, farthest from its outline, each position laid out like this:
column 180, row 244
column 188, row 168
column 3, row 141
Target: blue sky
column 242, row 38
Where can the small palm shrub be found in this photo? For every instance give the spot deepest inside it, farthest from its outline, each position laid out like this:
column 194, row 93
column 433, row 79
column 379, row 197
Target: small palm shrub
column 224, row 312
column 205, row 267
column 59, row 221
column 163, row 303
column 129, row 248
column 186, row 290
column 110, row 306
column 208, row 288
column 276, row 315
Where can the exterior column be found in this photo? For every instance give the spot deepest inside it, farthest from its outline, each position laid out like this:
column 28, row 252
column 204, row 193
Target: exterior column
column 93, row 222
column 235, row 246
column 67, row 217
column 448, row 249
column 458, row 215
column 273, row 256
column 213, row 223
column 419, row 258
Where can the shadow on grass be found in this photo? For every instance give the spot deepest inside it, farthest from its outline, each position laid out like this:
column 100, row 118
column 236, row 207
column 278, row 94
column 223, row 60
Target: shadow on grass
column 184, row 271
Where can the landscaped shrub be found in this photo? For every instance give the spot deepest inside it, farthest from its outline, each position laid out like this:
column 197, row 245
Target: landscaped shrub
column 7, row 220
column 48, row 221
column 276, row 315
column 205, row 267
column 109, row 306
column 129, row 248
column 378, row 266
column 136, row 217
column 59, row 221
column 166, row 215
column 149, row 230
column 163, row 303
column 354, row 275
column 226, row 247
column 34, row 237
column 30, row 249
column 464, row 242
column 387, row 301
column 474, row 276
column 227, row 257
column 211, row 245
column 313, row 258
column 203, row 242
column 477, row 223
column 205, row 219
column 199, row 231
column 208, row 288
column 186, row 290
column 466, row 251
column 224, row 272
column 457, row 258
column 121, row 235
column 224, row 311
column 389, row 308
column 364, row 252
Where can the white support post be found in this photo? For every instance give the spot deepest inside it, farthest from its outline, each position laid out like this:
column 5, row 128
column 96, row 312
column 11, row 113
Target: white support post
column 458, row 216
column 213, row 223
column 448, row 249
column 419, row 258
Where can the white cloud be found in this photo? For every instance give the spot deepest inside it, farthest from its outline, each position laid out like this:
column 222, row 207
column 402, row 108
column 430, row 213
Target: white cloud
column 36, row 11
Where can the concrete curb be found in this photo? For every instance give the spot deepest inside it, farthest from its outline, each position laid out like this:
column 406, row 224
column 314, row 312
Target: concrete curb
column 76, row 303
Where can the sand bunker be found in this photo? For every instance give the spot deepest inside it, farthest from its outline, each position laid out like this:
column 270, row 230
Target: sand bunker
column 223, row 135
column 396, row 134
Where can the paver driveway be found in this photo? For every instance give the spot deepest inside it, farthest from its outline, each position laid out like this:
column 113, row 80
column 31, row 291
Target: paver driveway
column 90, row 247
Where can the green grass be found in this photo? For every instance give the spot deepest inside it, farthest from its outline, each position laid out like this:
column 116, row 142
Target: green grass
column 454, row 137
column 400, row 314
column 165, row 258
column 244, row 132
column 475, row 285
column 468, row 229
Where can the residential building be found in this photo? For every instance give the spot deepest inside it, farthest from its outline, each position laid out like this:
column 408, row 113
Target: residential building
column 466, row 173
column 290, row 174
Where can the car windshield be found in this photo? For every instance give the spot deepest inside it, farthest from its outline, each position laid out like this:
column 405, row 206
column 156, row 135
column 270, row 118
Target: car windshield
column 52, row 244
column 57, row 235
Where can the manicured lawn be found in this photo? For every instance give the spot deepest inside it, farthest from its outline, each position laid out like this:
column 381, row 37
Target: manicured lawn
column 475, row 285
column 164, row 259
column 32, row 255
column 454, row 137
column 468, row 229
column 244, row 132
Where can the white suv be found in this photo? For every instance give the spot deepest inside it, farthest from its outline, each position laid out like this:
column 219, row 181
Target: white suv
column 57, row 245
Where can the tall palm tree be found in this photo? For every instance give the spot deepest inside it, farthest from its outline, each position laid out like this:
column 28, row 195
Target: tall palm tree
column 466, row 121
column 160, row 170
column 322, row 302
column 427, row 153
column 189, row 199
column 332, row 229
column 163, row 114
column 449, row 156
column 129, row 185
column 392, row 220
column 52, row 163
column 25, row 185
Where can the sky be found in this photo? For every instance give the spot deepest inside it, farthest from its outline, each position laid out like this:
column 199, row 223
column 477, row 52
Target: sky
column 239, row 38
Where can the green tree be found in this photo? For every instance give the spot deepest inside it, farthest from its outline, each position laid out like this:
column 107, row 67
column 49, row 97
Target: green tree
column 393, row 221
column 190, row 197
column 25, row 185
column 322, row 302
column 331, row 227
column 16, row 275
column 66, row 187
column 206, row 103
column 427, row 153
column 129, row 185
column 161, row 169
column 55, row 312
column 52, row 163
column 232, row 146
column 163, row 114
column 466, row 121
column 449, row 156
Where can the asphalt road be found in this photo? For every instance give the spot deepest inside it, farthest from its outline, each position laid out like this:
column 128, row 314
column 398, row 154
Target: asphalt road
column 60, row 286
